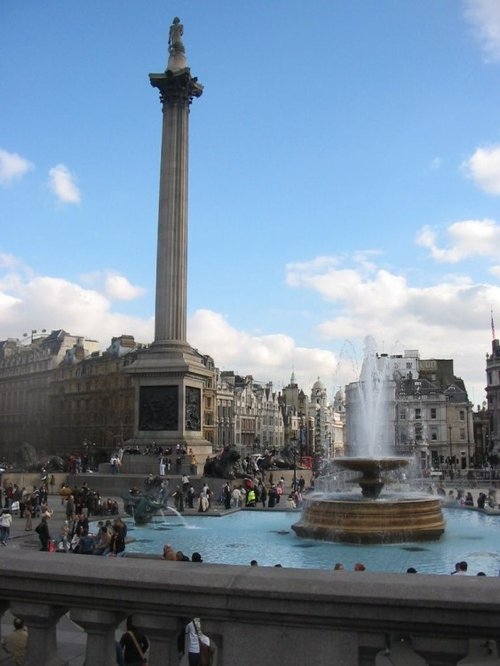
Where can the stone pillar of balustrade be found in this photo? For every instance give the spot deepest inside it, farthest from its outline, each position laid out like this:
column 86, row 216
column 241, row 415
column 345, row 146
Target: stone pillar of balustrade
column 162, row 633
column 41, row 621
column 99, row 626
column 4, row 605
column 213, row 631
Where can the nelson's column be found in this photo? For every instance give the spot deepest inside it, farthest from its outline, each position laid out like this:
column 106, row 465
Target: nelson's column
column 170, row 375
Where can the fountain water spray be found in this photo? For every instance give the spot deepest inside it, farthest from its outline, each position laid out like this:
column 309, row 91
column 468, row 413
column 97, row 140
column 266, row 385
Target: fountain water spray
column 371, row 517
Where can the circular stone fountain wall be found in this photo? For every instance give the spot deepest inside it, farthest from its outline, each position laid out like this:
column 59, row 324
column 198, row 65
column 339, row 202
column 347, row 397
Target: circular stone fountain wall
column 371, row 518
column 371, row 521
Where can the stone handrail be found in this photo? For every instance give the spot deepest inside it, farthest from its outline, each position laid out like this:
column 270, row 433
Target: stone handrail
column 261, row 615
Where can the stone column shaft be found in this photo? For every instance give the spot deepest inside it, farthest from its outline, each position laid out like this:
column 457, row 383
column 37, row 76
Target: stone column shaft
column 171, row 263
column 177, row 90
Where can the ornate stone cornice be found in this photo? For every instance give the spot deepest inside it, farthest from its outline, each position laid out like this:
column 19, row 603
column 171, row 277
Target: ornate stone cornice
column 178, row 88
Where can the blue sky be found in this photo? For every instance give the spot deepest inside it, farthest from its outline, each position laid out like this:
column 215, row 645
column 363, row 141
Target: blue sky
column 344, row 177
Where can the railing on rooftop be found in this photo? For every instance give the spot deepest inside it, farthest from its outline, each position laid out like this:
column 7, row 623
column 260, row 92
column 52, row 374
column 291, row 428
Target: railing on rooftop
column 255, row 615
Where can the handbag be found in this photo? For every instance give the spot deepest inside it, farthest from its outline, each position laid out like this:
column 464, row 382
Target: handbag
column 206, row 651
column 144, row 661
column 206, row 654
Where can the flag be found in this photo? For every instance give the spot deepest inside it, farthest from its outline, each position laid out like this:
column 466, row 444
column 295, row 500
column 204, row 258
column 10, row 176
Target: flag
column 492, row 326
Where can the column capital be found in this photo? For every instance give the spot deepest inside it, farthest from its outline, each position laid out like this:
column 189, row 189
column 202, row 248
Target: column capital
column 176, row 88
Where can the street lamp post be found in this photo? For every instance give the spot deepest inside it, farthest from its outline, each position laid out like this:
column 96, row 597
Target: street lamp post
column 449, row 442
column 293, row 442
column 468, row 439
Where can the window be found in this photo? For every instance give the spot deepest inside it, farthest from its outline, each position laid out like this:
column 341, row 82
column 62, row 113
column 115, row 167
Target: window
column 433, row 413
column 418, row 413
column 462, row 415
column 402, row 415
column 434, row 435
column 418, row 433
column 462, row 433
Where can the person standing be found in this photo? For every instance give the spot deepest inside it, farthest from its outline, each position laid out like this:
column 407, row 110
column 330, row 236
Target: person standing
column 134, row 645
column 178, row 499
column 42, row 529
column 5, row 523
column 263, row 496
column 190, row 496
column 271, row 498
column 195, row 639
column 236, row 497
column 114, row 464
column 226, row 495
column 28, row 512
column 70, row 508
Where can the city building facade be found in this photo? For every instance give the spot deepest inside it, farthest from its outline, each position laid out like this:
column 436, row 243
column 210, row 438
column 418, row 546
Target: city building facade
column 433, row 420
column 493, row 396
column 26, row 371
column 61, row 394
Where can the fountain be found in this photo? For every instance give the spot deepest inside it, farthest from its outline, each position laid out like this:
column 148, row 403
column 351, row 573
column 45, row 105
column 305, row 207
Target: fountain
column 142, row 506
column 373, row 516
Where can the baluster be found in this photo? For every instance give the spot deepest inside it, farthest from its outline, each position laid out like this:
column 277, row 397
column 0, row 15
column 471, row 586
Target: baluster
column 99, row 626
column 41, row 620
column 162, row 633
column 4, row 605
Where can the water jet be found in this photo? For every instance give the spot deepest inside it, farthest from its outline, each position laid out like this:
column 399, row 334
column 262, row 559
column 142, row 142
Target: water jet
column 373, row 516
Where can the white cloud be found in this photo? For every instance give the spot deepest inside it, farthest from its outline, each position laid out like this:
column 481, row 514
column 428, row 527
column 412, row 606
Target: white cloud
column 9, row 261
column 62, row 183
column 495, row 270
column 484, row 16
column 446, row 320
column 435, row 163
column 266, row 357
column 115, row 286
column 363, row 284
column 468, row 238
column 28, row 301
column 483, row 167
column 119, row 288
column 12, row 167
column 51, row 303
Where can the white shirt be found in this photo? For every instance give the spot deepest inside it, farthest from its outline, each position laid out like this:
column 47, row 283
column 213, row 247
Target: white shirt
column 193, row 638
column 6, row 520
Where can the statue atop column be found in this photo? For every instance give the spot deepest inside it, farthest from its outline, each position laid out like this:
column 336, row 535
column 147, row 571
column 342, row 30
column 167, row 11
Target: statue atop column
column 176, row 50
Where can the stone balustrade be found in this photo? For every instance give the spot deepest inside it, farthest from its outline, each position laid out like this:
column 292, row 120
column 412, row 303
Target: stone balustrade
column 255, row 615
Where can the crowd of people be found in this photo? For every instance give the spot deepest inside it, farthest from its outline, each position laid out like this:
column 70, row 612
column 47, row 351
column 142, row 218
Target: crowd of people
column 484, row 501
column 169, row 459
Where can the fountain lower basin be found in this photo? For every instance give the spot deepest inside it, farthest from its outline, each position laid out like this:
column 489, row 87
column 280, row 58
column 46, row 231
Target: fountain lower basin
column 361, row 521
column 371, row 518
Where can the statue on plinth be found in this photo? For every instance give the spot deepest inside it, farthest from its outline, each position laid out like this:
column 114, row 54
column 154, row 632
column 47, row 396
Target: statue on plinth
column 175, row 36
column 176, row 50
